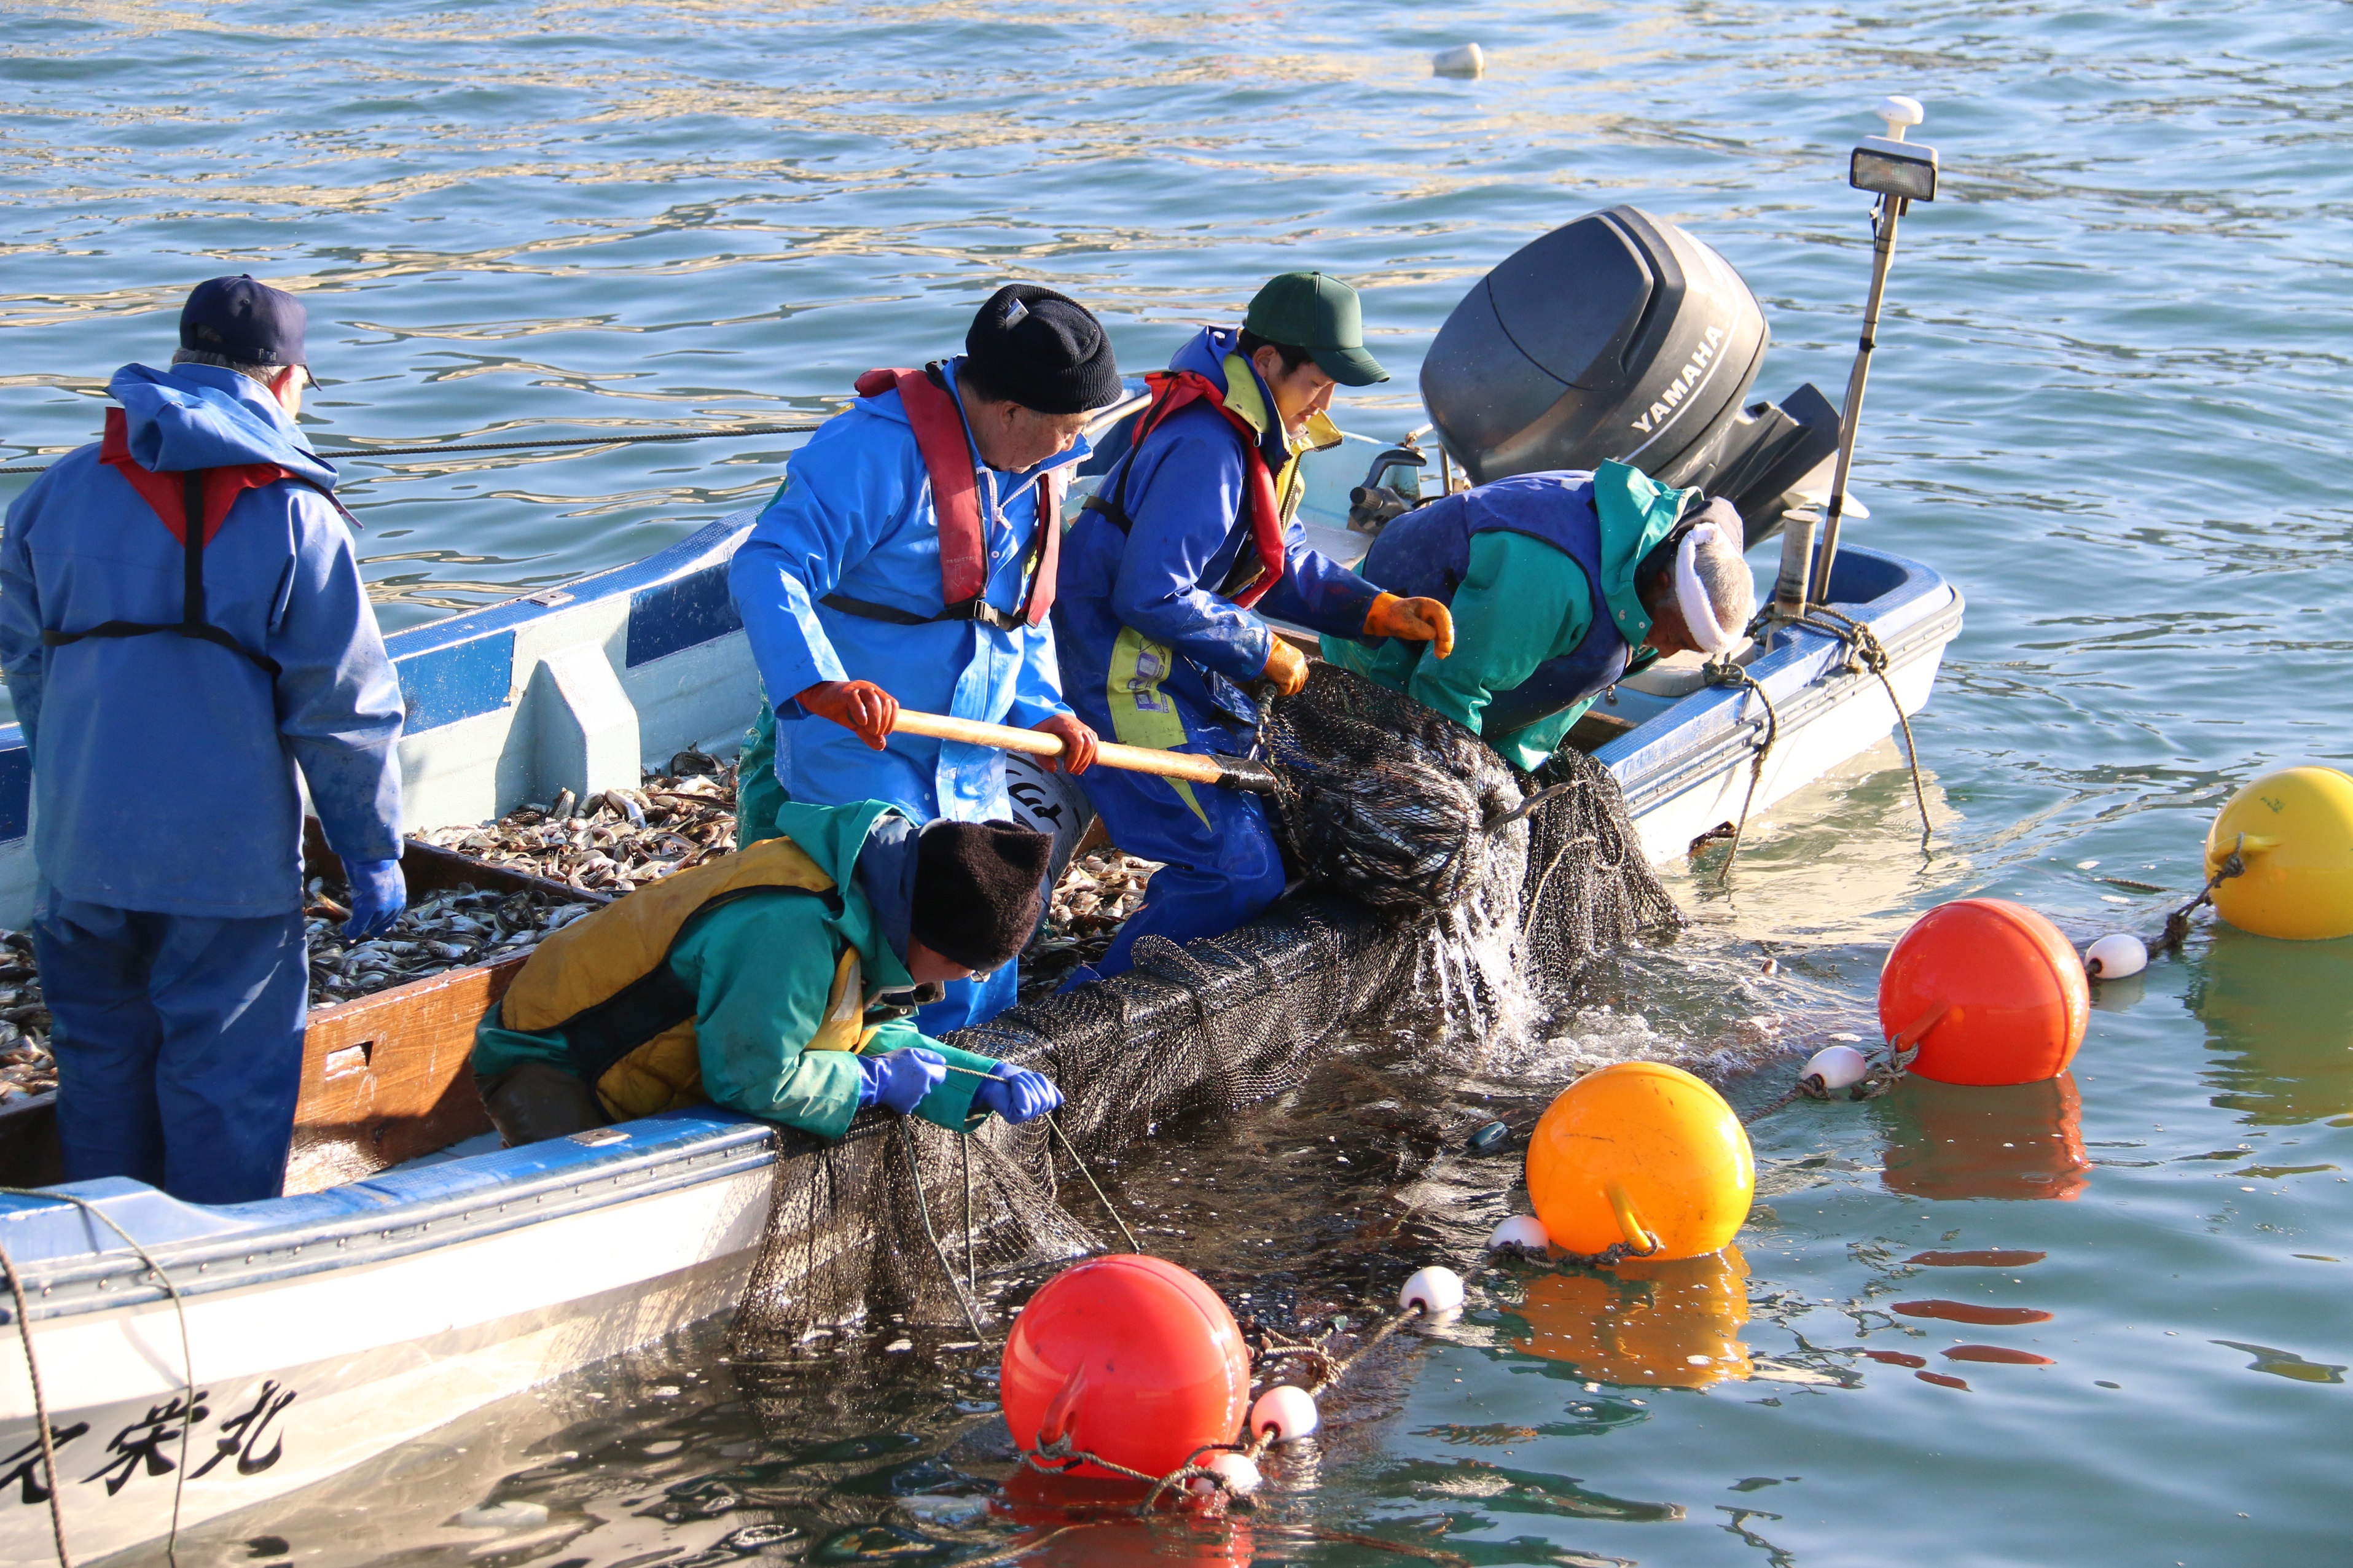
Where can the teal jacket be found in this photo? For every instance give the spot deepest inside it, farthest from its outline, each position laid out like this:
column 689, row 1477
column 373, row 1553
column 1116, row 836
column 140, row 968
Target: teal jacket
column 761, row 968
column 1522, row 602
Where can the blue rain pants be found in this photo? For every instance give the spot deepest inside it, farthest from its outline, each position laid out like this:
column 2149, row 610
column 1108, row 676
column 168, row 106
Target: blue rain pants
column 179, row 1045
column 1222, row 864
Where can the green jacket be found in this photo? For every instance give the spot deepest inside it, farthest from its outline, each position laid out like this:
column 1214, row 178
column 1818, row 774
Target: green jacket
column 1522, row 602
column 761, row 968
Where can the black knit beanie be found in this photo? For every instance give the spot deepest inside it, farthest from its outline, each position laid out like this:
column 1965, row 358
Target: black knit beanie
column 1045, row 350
column 980, row 888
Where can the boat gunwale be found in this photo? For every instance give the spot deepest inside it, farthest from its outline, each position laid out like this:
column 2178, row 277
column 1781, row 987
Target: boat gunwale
column 1792, row 671
column 397, row 1229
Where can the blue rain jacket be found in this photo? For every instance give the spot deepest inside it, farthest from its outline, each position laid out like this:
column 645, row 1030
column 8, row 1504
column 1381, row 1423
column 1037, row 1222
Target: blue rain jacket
column 164, row 768
column 1158, row 583
column 854, row 515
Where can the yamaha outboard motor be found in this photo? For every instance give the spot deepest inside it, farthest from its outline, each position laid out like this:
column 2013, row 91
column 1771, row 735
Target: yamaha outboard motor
column 1621, row 336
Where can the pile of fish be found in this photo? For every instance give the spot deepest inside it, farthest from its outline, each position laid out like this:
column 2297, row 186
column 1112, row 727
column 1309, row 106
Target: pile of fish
column 26, row 1065
column 441, row 932
column 609, row 844
column 1098, row 891
column 615, row 841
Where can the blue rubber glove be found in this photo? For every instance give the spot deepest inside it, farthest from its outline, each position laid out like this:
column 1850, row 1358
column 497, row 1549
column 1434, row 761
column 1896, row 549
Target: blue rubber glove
column 898, row 1080
column 379, row 892
column 1017, row 1094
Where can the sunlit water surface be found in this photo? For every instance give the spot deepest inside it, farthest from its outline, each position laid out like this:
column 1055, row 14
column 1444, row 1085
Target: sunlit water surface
column 2111, row 404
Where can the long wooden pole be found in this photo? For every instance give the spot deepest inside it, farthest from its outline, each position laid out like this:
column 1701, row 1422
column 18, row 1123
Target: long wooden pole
column 1233, row 772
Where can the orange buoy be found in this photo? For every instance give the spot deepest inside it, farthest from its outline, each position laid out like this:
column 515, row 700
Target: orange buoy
column 1989, row 989
column 1642, row 1154
column 1128, row 1357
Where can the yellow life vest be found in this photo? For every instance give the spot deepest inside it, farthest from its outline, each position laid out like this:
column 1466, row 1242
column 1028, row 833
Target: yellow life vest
column 603, row 983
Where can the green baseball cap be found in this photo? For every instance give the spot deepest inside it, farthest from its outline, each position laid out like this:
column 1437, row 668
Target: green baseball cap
column 1308, row 311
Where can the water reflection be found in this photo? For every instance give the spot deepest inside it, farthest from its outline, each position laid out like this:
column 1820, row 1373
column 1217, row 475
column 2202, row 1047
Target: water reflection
column 1965, row 1140
column 1665, row 1325
column 2282, row 1014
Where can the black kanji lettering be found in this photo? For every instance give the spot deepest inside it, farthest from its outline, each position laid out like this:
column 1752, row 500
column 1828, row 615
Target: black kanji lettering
column 241, row 1435
column 24, row 1467
column 145, row 1441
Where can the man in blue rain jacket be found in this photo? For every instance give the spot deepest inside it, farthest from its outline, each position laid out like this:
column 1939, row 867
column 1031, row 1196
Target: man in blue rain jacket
column 909, row 557
column 184, row 629
column 1189, row 541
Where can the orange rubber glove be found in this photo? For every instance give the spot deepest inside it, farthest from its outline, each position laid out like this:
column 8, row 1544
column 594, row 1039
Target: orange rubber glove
column 855, row 705
column 1078, row 744
column 1411, row 620
column 1285, row 666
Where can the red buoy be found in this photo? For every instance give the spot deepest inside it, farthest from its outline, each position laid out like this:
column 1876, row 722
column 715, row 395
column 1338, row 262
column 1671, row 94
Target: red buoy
column 1128, row 1357
column 1989, row 989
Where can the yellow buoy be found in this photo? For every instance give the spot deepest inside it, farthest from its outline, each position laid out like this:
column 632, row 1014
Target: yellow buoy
column 2294, row 830
column 1641, row 1153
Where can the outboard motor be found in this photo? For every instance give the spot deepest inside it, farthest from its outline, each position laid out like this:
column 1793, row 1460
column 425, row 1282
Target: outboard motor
column 1621, row 336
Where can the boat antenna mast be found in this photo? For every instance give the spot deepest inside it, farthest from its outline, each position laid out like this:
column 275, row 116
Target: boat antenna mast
column 1899, row 173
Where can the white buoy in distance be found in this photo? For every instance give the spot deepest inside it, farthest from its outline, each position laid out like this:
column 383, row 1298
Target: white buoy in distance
column 1834, row 1067
column 1436, row 1290
column 2115, row 956
column 1463, row 59
column 1291, row 1412
column 1523, row 1231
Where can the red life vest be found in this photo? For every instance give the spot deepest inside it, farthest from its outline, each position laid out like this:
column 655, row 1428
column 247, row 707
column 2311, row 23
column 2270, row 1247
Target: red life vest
column 946, row 445
column 167, row 492
column 193, row 504
column 1176, row 389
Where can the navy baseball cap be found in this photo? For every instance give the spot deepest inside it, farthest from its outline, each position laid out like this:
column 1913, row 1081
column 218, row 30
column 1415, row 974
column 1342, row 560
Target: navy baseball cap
column 244, row 320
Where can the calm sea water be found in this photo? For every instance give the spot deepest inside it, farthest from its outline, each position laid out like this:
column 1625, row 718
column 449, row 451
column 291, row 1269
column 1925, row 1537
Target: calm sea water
column 2111, row 403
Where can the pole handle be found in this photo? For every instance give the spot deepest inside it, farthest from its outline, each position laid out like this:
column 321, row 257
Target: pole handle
column 1038, row 744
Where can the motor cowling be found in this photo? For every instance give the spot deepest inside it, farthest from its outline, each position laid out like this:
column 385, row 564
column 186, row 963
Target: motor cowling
column 1620, row 336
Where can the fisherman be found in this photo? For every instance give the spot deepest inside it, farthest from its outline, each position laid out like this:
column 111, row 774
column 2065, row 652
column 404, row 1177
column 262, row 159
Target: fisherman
column 184, row 630
column 776, row 981
column 909, row 556
column 1560, row 583
column 1189, row 543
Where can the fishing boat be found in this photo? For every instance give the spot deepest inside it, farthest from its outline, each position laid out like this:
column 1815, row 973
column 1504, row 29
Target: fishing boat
column 197, row 1360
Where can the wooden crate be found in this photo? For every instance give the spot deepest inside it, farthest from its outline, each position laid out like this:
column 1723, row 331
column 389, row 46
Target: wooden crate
column 389, row 1077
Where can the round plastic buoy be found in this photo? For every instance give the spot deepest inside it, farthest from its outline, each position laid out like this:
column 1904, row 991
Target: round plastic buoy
column 1836, row 1067
column 1290, row 1412
column 1128, row 1357
column 1642, row 1154
column 1989, row 989
column 1238, row 1471
column 1523, row 1231
column 1436, row 1289
column 2294, row 830
column 2115, row 956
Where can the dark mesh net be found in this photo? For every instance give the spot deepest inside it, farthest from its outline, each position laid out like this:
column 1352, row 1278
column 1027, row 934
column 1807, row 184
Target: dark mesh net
column 1538, row 876
column 1385, row 800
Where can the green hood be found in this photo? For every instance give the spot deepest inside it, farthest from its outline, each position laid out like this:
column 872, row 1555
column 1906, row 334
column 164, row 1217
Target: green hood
column 833, row 836
column 1636, row 512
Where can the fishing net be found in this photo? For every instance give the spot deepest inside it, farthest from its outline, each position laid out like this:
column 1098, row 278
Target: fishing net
column 1538, row 874
column 1383, row 799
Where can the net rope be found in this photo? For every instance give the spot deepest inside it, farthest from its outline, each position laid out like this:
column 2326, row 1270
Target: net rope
column 1431, row 880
